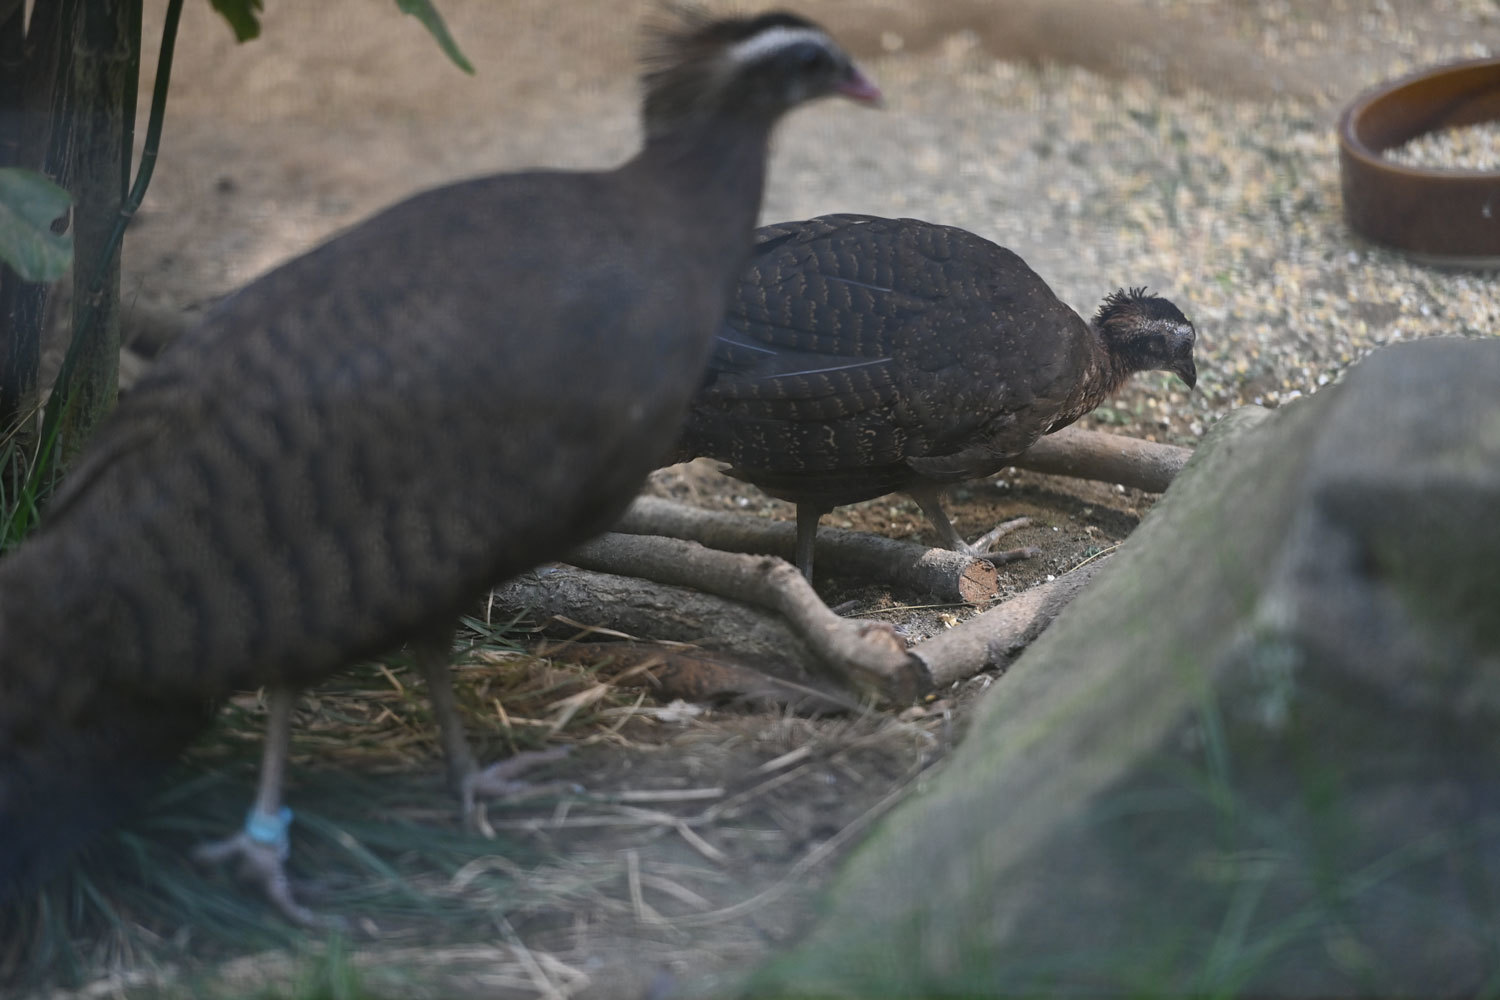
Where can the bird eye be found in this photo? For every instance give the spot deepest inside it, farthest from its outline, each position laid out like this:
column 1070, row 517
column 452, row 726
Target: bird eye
column 811, row 57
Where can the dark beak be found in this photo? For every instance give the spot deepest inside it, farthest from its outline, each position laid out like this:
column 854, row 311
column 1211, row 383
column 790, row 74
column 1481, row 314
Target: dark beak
column 858, row 87
column 1187, row 371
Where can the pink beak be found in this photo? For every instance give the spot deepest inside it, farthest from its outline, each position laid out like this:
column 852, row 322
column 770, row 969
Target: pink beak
column 858, row 87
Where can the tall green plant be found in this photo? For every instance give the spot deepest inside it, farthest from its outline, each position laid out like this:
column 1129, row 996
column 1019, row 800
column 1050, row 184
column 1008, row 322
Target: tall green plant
column 68, row 83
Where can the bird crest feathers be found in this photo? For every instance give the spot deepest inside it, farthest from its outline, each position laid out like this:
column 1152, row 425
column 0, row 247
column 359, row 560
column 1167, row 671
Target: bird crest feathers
column 1120, row 301
column 679, row 32
column 688, row 55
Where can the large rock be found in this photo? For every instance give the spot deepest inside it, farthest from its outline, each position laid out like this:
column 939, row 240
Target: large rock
column 1260, row 755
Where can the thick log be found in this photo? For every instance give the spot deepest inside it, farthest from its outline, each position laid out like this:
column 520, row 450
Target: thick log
column 650, row 610
column 1109, row 458
column 948, row 576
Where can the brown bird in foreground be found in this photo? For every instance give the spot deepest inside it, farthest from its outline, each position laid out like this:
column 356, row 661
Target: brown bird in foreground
column 343, row 455
column 863, row 356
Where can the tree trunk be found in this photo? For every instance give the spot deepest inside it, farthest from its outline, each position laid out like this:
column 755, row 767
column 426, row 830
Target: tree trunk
column 67, row 109
column 101, row 94
column 27, row 75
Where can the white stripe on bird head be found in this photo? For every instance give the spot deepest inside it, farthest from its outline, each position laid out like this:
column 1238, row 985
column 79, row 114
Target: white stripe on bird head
column 773, row 39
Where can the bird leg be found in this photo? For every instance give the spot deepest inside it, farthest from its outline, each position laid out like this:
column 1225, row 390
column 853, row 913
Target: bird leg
column 808, row 517
column 930, row 499
column 472, row 784
column 432, row 655
column 263, row 844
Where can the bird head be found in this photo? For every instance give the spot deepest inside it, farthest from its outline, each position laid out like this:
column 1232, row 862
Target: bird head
column 1146, row 332
column 758, row 66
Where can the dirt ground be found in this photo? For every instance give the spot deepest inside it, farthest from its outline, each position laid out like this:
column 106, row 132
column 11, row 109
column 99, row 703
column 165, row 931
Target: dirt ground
column 344, row 106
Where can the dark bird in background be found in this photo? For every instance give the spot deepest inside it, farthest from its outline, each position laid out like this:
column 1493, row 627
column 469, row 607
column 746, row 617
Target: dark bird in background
column 863, row 356
column 342, row 456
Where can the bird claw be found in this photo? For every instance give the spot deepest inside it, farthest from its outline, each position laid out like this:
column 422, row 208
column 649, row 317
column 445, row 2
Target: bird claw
column 261, row 849
column 502, row 780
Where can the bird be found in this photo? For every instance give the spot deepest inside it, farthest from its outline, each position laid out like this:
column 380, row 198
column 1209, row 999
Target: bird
column 340, row 457
column 863, row 356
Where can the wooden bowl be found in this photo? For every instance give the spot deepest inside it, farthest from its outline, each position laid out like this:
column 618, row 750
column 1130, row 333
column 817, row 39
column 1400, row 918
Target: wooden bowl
column 1439, row 216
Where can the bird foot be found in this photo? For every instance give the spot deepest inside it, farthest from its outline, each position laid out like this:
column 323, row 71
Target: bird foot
column 261, row 849
column 502, row 780
column 981, row 546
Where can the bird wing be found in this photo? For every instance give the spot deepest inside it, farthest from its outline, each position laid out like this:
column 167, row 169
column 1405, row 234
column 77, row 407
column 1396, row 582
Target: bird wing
column 839, row 315
column 842, row 286
column 1042, row 356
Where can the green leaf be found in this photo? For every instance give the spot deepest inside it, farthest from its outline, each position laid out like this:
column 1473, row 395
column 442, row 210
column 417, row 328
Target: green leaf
column 29, row 203
column 424, row 11
column 242, row 16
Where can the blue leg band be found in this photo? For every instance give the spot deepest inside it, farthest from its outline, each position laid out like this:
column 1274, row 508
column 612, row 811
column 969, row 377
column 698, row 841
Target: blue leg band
column 271, row 830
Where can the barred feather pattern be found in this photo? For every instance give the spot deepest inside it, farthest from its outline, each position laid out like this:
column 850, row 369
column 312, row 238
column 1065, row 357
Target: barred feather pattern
column 977, row 359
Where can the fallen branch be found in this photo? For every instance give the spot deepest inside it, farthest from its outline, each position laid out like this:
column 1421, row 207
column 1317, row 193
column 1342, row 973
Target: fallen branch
column 950, row 577
column 869, row 656
column 761, row 645
column 1110, row 458
column 644, row 608
column 993, row 638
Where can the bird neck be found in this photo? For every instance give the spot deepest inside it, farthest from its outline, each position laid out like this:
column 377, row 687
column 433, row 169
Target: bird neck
column 1119, row 369
column 1107, row 372
column 713, row 170
column 1113, row 366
